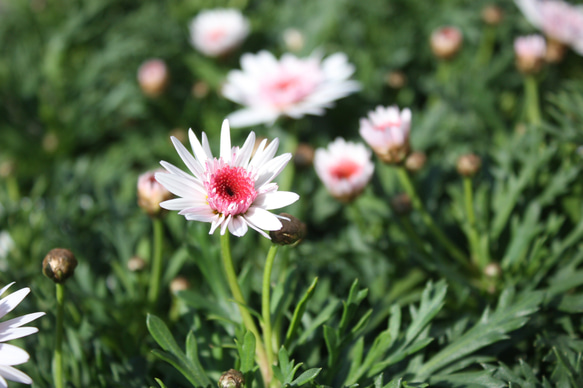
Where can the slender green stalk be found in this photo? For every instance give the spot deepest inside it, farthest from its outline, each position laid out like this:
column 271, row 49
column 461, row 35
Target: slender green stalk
column 486, row 46
column 417, row 205
column 266, row 302
column 58, row 356
column 262, row 359
column 472, row 231
column 531, row 100
column 156, row 269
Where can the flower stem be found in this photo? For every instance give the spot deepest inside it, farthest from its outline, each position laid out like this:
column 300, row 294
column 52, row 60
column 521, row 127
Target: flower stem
column 486, row 46
column 156, row 270
column 472, row 231
column 531, row 100
column 417, row 205
column 58, row 356
column 260, row 352
column 266, row 302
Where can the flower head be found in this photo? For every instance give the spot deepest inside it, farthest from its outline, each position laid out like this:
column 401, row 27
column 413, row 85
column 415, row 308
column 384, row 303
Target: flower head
column 153, row 77
column 530, row 53
column 386, row 130
column 446, row 42
column 218, row 31
column 558, row 20
column 11, row 355
column 344, row 167
column 151, row 193
column 232, row 192
column 291, row 86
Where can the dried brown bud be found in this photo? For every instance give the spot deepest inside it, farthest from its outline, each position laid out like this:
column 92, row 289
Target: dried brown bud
column 555, row 51
column 179, row 283
column 304, row 155
column 468, row 165
column 415, row 161
column 492, row 15
column 59, row 264
column 136, row 264
column 446, row 42
column 401, row 204
column 231, row 379
column 292, row 231
column 396, row 79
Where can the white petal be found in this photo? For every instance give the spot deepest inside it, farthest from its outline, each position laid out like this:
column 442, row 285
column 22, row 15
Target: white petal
column 226, row 141
column 272, row 169
column 12, row 355
column 14, row 374
column 182, row 203
column 275, row 199
column 199, row 152
column 176, row 171
column 238, row 226
column 194, row 166
column 245, row 152
column 247, row 117
column 181, row 187
column 3, row 290
column 263, row 155
column 3, row 383
column 23, row 320
column 262, row 219
column 8, row 303
column 226, row 224
column 18, row 332
column 202, row 216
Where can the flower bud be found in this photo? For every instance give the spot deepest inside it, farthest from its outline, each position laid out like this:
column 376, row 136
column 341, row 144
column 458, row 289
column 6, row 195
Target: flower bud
column 530, row 53
column 396, row 79
column 136, row 264
column 492, row 15
column 151, row 193
column 7, row 168
column 446, row 42
column 153, row 77
column 231, row 379
column 291, row 232
column 59, row 265
column 294, row 39
column 200, row 89
column 468, row 165
column 401, row 204
column 179, row 283
column 555, row 51
column 415, row 161
column 304, row 155
column 493, row 270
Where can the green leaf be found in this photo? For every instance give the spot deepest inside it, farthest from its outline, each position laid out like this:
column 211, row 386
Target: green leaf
column 247, row 352
column 160, row 383
column 299, row 313
column 306, row 377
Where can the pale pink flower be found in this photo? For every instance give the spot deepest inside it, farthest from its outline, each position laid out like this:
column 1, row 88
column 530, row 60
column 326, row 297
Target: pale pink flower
column 557, row 19
column 291, row 86
column 11, row 355
column 218, row 31
column 151, row 193
column 344, row 167
column 232, row 192
column 530, row 53
column 386, row 131
column 446, row 42
column 153, row 77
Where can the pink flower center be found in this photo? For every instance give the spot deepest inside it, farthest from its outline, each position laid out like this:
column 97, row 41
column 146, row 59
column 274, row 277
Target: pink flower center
column 231, row 190
column 290, row 86
column 345, row 169
column 216, row 35
column 387, row 124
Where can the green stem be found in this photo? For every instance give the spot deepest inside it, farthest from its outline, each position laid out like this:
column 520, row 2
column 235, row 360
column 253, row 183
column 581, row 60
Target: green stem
column 266, row 302
column 486, row 46
column 417, row 205
column 472, row 231
column 58, row 356
column 531, row 100
column 261, row 354
column 156, row 270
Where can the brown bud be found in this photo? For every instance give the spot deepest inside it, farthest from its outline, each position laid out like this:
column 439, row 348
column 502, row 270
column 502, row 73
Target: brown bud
column 446, row 42
column 292, row 231
column 136, row 264
column 200, row 89
column 492, row 15
column 59, row 264
column 231, row 379
column 396, row 79
column 468, row 165
column 179, row 283
column 415, row 161
column 180, row 134
column 304, row 155
column 401, row 204
column 555, row 51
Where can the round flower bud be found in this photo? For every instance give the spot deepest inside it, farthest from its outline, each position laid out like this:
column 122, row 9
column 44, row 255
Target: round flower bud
column 136, row 264
column 555, row 51
column 294, row 39
column 231, row 379
column 401, row 204
column 200, row 89
column 291, row 232
column 492, row 15
column 415, row 161
column 153, row 77
column 396, row 79
column 304, row 155
column 7, row 168
column 446, row 42
column 59, row 265
column 530, row 53
column 493, row 270
column 468, row 165
column 151, row 193
column 179, row 283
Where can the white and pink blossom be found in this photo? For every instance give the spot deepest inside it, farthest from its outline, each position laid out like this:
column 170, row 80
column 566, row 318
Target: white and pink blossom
column 292, row 86
column 386, row 131
column 232, row 192
column 530, row 53
column 153, row 77
column 217, row 32
column 151, row 193
column 344, row 167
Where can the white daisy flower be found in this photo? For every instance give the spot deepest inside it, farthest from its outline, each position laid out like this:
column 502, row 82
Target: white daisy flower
column 344, row 167
column 11, row 355
column 232, row 192
column 386, row 130
column 291, row 86
column 216, row 32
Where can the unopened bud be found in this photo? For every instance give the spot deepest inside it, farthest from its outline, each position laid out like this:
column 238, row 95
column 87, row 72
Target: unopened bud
column 396, row 79
column 180, row 134
column 179, row 283
column 468, row 165
column 136, row 264
column 291, row 232
column 555, row 51
column 304, row 155
column 153, row 77
column 231, row 379
column 7, row 168
column 200, row 89
column 415, row 161
column 530, row 53
column 59, row 265
column 151, row 193
column 401, row 204
column 492, row 15
column 446, row 42
column 493, row 270
column 294, row 39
